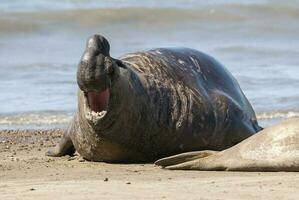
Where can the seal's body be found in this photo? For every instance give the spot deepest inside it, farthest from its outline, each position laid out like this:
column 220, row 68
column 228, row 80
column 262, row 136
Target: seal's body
column 155, row 103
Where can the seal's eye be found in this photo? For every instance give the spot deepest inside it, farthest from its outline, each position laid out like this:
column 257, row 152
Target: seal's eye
column 108, row 65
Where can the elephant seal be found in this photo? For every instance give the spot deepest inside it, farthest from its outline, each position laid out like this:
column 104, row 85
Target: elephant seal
column 151, row 104
column 273, row 149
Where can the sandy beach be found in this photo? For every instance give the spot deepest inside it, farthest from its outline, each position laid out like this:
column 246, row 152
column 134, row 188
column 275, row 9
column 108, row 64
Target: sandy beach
column 26, row 173
column 41, row 43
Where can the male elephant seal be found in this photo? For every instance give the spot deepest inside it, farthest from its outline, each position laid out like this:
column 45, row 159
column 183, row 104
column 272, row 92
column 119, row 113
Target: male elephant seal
column 272, row 149
column 152, row 104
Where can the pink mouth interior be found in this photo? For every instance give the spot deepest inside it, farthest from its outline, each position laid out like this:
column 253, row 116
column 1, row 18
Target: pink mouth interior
column 98, row 101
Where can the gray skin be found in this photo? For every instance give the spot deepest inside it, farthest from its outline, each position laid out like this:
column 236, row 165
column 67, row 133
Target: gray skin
column 151, row 104
column 273, row 149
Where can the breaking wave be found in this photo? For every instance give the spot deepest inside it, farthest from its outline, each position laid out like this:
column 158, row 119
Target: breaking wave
column 58, row 120
column 35, row 120
column 277, row 115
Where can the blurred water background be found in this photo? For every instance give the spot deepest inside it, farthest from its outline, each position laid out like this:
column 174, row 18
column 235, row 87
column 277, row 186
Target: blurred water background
column 41, row 42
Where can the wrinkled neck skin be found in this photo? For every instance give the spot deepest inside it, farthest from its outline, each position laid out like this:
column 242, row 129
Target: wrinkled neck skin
column 122, row 98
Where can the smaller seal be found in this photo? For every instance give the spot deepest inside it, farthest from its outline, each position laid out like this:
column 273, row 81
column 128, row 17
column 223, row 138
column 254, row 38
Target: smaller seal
column 273, row 149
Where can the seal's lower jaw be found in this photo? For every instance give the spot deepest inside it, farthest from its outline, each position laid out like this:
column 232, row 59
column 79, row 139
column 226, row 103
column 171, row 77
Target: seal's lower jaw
column 96, row 105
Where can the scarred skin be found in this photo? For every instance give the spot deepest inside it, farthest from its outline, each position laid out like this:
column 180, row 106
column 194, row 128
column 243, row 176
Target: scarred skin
column 155, row 103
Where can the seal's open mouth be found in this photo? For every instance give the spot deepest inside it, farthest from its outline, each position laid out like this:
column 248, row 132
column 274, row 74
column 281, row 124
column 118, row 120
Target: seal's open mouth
column 98, row 101
column 97, row 104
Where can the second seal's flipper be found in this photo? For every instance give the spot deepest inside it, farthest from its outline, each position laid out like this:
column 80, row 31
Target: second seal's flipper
column 201, row 160
column 183, row 157
column 273, row 149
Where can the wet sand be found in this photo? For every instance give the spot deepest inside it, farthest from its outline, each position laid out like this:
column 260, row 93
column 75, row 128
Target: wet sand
column 25, row 173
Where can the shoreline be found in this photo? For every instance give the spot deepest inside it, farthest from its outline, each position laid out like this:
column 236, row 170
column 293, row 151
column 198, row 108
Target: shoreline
column 26, row 173
column 42, row 121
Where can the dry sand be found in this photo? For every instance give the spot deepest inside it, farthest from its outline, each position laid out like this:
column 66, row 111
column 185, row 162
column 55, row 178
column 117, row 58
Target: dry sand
column 25, row 173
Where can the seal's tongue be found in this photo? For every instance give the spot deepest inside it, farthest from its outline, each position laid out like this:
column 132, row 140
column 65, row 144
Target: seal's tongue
column 98, row 101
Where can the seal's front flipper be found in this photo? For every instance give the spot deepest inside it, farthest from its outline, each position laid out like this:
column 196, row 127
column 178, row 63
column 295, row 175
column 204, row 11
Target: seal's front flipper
column 65, row 147
column 183, row 157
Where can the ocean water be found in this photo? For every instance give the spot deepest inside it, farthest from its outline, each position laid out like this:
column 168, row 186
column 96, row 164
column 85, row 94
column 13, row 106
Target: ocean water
column 41, row 42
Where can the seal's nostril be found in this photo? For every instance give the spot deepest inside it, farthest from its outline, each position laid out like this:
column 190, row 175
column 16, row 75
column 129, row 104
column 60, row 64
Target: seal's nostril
column 100, row 60
column 90, row 55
